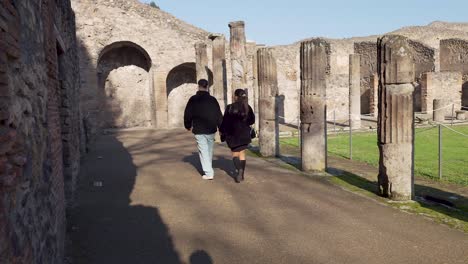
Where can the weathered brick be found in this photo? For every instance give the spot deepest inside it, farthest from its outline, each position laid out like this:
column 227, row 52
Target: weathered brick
column 3, row 79
column 13, row 29
column 18, row 159
column 9, row 6
column 3, row 24
column 11, row 50
column 5, row 89
column 3, row 165
column 4, row 115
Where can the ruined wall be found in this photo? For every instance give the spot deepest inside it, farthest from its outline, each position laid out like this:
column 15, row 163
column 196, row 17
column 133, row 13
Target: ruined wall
column 287, row 58
column 368, row 52
column 441, row 85
column 38, row 126
column 128, row 105
column 424, row 60
column 454, row 57
column 288, row 72
column 167, row 41
column 338, row 81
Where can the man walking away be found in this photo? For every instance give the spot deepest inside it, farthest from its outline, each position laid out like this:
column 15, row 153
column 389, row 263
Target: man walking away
column 203, row 117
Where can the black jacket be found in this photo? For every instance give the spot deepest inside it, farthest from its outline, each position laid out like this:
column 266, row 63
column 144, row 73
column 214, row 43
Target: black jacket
column 236, row 129
column 202, row 114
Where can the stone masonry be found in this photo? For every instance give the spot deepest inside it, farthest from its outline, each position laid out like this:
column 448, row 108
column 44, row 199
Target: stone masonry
column 219, row 89
column 39, row 128
column 238, row 56
column 201, row 58
column 441, row 85
column 396, row 118
column 268, row 88
column 454, row 57
column 315, row 59
column 355, row 91
column 156, row 42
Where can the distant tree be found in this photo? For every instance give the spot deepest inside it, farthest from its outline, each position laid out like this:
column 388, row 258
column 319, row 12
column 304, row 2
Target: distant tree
column 153, row 4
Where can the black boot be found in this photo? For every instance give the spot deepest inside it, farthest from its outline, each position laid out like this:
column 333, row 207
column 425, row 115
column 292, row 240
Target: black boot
column 242, row 169
column 237, row 165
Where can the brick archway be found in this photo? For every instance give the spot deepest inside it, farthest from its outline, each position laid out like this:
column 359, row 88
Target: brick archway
column 125, row 86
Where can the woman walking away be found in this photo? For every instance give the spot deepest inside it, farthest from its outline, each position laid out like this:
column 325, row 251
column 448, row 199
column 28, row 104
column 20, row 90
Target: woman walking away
column 236, row 130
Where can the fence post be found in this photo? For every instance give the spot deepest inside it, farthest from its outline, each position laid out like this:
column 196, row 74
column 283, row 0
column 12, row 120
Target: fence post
column 453, row 110
column 334, row 122
column 440, row 152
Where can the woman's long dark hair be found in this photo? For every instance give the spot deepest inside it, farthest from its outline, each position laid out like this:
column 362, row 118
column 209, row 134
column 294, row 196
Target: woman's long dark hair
column 240, row 107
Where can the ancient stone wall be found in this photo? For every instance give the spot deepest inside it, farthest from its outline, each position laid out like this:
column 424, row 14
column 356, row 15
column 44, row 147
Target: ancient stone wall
column 368, row 52
column 424, row 60
column 454, row 57
column 338, row 80
column 287, row 64
column 39, row 128
column 164, row 41
column 446, row 86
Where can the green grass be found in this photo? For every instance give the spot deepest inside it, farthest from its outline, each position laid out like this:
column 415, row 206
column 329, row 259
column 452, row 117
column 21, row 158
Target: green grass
column 454, row 218
column 454, row 152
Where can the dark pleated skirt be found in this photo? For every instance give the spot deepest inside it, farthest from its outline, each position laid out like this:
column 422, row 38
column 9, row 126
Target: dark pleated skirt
column 239, row 148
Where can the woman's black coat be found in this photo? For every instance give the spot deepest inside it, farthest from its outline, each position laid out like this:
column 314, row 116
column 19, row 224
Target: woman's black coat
column 235, row 129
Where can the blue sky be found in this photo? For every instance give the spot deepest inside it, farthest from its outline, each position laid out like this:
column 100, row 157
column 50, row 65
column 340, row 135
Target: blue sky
column 275, row 22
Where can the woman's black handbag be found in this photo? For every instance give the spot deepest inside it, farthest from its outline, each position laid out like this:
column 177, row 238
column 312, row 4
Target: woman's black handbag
column 253, row 132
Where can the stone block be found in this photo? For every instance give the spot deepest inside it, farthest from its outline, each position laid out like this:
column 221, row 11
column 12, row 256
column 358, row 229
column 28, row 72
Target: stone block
column 461, row 115
column 439, row 111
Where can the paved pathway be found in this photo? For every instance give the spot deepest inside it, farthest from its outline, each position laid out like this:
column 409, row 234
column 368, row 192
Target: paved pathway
column 153, row 207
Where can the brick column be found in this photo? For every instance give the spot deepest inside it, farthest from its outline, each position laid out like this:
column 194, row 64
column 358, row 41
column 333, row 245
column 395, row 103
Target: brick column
column 374, row 95
column 219, row 88
column 439, row 112
column 268, row 87
column 238, row 55
column 314, row 70
column 355, row 90
column 426, row 92
column 396, row 118
column 255, row 88
column 201, row 56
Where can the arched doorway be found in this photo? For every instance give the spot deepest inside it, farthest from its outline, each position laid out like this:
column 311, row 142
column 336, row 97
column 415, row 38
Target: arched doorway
column 181, row 84
column 465, row 96
column 125, row 85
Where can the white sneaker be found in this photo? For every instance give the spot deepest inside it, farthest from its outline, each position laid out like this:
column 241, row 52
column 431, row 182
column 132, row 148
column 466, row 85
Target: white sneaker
column 207, row 177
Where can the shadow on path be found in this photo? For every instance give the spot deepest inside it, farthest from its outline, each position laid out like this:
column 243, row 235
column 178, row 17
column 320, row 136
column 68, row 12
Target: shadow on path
column 200, row 257
column 219, row 162
column 105, row 226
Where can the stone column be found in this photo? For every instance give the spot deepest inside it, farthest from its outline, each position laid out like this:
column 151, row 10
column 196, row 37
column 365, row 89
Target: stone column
column 268, row 88
column 426, row 92
column 255, row 87
column 439, row 113
column 201, row 57
column 314, row 65
column 355, row 90
column 396, row 117
column 374, row 95
column 238, row 56
column 219, row 88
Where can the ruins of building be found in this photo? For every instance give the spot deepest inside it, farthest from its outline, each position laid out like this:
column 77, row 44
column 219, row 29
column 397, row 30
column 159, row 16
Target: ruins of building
column 131, row 65
column 39, row 128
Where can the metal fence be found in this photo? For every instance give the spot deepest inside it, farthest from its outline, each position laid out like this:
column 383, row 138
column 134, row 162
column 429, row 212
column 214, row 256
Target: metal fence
column 341, row 130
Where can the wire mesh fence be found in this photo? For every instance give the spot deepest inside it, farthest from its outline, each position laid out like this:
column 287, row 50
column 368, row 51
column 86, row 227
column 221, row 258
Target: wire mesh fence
column 440, row 149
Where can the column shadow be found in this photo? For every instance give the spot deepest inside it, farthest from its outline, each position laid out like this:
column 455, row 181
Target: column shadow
column 105, row 227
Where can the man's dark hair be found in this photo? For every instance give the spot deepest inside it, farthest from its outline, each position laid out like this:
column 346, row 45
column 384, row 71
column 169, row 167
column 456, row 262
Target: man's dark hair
column 203, row 83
